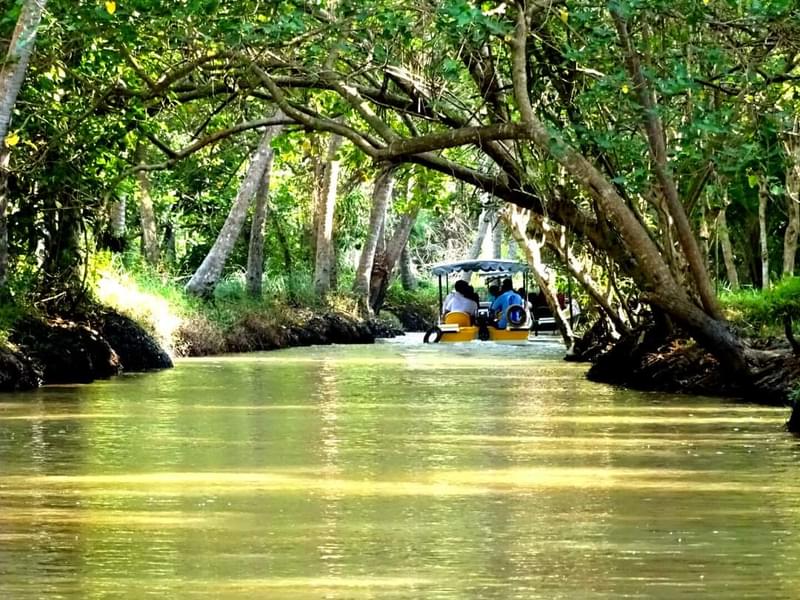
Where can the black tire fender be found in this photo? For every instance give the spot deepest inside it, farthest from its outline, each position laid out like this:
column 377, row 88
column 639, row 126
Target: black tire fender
column 432, row 336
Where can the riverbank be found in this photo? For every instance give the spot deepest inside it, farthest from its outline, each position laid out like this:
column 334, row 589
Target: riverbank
column 101, row 343
column 648, row 360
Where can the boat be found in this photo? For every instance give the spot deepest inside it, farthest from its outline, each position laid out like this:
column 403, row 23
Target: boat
column 459, row 326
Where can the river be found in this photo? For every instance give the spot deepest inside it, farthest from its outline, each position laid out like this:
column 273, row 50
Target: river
column 392, row 471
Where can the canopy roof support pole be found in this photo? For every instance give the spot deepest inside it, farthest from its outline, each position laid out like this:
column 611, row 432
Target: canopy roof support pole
column 440, row 295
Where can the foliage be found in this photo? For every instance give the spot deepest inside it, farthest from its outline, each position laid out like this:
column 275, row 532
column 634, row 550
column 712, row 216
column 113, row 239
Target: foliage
column 762, row 311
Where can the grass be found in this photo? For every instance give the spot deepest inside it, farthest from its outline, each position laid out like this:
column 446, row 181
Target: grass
column 186, row 325
column 760, row 313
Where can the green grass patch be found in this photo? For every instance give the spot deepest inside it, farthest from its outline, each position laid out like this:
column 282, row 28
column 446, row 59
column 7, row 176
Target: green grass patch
column 760, row 313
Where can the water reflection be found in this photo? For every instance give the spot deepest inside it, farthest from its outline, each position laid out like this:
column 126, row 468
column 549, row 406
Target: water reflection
column 394, row 470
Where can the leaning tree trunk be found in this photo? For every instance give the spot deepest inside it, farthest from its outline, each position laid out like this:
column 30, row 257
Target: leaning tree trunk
column 147, row 215
column 497, row 236
column 324, row 258
column 477, row 243
column 556, row 241
column 763, row 197
column 792, row 146
column 727, row 248
column 255, row 251
column 381, row 193
column 379, row 281
column 17, row 58
column 517, row 221
column 207, row 275
column 12, row 74
column 656, row 138
column 5, row 156
column 408, row 278
column 659, row 286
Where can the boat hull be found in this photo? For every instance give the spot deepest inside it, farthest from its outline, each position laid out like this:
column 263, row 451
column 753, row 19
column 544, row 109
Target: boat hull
column 470, row 333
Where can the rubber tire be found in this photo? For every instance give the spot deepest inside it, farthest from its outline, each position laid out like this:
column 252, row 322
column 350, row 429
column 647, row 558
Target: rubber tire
column 437, row 335
column 515, row 309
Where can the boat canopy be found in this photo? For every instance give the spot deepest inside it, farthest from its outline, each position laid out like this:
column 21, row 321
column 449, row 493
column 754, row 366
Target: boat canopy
column 495, row 266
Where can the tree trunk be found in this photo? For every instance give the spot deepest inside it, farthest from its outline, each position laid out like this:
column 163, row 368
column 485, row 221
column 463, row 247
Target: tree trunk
column 117, row 224
column 517, row 221
column 255, row 251
column 381, row 193
column 168, row 246
column 792, row 146
column 147, row 216
column 207, row 275
column 660, row 287
column 16, row 61
column 12, row 74
column 656, row 138
column 727, row 248
column 763, row 197
column 513, row 249
column 5, row 157
column 477, row 244
column 324, row 219
column 407, row 276
column 555, row 241
column 497, row 236
column 380, row 278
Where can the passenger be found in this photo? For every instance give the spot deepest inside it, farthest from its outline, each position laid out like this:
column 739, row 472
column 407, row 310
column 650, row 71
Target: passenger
column 459, row 300
column 508, row 297
column 474, row 296
column 494, row 292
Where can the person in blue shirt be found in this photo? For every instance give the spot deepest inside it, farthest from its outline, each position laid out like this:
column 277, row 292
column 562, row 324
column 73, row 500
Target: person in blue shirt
column 508, row 297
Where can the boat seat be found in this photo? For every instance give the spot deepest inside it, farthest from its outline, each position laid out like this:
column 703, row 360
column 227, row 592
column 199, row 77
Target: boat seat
column 459, row 318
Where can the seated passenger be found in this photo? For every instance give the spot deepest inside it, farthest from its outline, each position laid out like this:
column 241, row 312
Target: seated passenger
column 494, row 292
column 459, row 300
column 508, row 297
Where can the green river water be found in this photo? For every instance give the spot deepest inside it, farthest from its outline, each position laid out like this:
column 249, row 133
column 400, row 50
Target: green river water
column 392, row 471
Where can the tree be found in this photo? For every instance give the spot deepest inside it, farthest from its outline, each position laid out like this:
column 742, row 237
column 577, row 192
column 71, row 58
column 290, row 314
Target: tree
column 207, row 275
column 12, row 75
column 255, row 253
column 323, row 262
column 381, row 193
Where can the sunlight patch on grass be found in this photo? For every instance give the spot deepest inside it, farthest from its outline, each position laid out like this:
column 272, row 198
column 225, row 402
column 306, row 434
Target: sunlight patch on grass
column 123, row 294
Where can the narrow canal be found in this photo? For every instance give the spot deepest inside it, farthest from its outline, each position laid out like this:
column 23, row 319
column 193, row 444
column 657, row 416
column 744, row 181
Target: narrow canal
column 392, row 471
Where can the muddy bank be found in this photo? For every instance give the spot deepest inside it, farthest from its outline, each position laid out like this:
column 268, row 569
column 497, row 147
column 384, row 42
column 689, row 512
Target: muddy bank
column 258, row 332
column 91, row 346
column 101, row 343
column 648, row 360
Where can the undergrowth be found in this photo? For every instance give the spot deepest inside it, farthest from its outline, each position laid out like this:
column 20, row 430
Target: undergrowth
column 760, row 313
column 186, row 325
